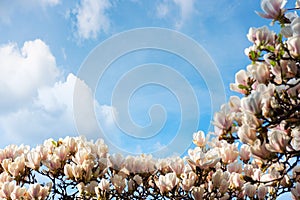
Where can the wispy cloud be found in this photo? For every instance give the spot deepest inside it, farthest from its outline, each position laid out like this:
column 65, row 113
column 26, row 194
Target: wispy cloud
column 169, row 7
column 91, row 18
column 162, row 9
column 9, row 8
column 186, row 10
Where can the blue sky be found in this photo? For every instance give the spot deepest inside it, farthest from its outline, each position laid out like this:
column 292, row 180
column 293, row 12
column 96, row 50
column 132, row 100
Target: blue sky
column 43, row 45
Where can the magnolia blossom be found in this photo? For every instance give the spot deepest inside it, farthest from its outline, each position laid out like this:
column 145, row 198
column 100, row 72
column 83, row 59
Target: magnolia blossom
column 296, row 191
column 261, row 191
column 234, row 104
column 7, row 189
column 198, row 193
column 101, row 148
column 261, row 36
column 36, row 191
column 296, row 173
column 62, row 151
column 272, row 174
column 247, row 134
column 91, row 187
column 273, row 8
column 167, row 183
column 18, row 193
column 17, row 167
column 53, row 162
column 293, row 44
column 34, row 160
column 199, row 138
column 297, row 4
column 116, row 161
column 287, row 31
column 278, row 141
column 235, row 167
column 295, row 90
column 260, row 72
column 236, row 180
column 295, row 26
column 222, row 120
column 287, row 68
column 241, row 82
column 259, row 150
column 251, row 120
column 119, row 183
column 188, row 180
column 252, row 103
column 177, row 165
column 245, row 152
column 229, row 152
column 142, row 164
column 104, row 184
column 5, row 177
column 220, row 180
column 249, row 189
column 296, row 139
column 201, row 159
column 138, row 179
column 71, row 143
column 82, row 155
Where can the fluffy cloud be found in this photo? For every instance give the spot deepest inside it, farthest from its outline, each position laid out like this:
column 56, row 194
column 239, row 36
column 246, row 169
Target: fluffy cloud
column 23, row 71
column 91, row 18
column 35, row 104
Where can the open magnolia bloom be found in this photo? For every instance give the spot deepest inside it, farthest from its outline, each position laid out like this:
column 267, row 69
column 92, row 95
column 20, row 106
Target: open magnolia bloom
column 273, row 9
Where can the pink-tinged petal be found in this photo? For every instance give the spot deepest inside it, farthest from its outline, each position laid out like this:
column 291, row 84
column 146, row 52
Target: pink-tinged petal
column 294, row 46
column 273, row 8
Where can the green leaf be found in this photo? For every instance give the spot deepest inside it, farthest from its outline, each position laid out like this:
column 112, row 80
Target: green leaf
column 252, row 55
column 54, row 143
column 273, row 63
column 271, row 48
column 243, row 87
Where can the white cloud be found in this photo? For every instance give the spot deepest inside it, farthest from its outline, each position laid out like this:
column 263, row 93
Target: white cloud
column 23, row 71
column 162, row 10
column 168, row 7
column 107, row 114
column 186, row 9
column 34, row 104
column 92, row 18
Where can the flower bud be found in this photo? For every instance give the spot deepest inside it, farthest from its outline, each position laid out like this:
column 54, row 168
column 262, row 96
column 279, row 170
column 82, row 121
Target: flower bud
column 249, row 189
column 261, row 192
column 199, row 138
column 198, row 193
column 104, row 184
column 245, row 152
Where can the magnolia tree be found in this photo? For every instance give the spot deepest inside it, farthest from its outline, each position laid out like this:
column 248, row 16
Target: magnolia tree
column 254, row 155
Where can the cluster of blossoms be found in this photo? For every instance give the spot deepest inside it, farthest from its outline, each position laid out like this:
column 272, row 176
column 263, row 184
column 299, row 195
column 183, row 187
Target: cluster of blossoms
column 253, row 154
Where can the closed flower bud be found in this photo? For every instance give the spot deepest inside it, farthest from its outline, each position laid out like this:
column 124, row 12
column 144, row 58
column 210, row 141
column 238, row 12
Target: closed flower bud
column 199, row 138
